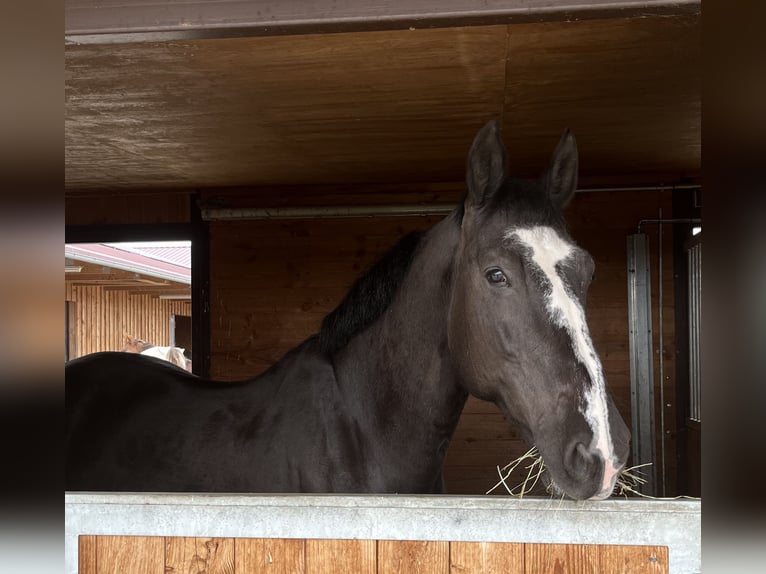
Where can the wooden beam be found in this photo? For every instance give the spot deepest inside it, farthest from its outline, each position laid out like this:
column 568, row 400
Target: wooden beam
column 104, row 21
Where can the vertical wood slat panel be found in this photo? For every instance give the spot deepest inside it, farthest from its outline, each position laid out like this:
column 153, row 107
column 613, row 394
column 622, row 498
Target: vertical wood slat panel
column 110, row 321
column 486, row 558
column 270, row 556
column 101, row 319
column 86, row 321
column 208, row 555
column 72, row 333
column 633, row 559
column 79, row 309
column 130, row 555
column 179, row 555
column 87, row 556
column 143, row 321
column 413, row 557
column 341, row 556
column 561, row 559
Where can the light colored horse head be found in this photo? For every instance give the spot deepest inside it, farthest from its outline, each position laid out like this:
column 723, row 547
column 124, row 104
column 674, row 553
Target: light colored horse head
column 174, row 355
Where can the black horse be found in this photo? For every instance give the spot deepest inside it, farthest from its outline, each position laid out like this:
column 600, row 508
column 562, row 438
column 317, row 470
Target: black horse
column 490, row 301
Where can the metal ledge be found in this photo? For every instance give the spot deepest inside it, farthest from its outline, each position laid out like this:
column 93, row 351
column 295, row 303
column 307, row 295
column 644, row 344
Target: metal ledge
column 105, row 21
column 671, row 523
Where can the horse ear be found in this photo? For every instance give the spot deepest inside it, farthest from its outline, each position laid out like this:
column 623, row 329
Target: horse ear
column 560, row 178
column 128, row 340
column 486, row 165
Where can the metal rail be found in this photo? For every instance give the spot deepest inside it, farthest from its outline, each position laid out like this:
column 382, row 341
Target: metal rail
column 107, row 21
column 385, row 210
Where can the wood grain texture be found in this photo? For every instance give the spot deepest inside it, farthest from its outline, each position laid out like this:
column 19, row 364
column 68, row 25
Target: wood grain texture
column 270, row 556
column 562, row 559
column 634, row 82
column 103, row 317
column 633, row 559
column 386, row 106
column 199, row 555
column 87, row 555
column 486, row 558
column 357, row 107
column 272, row 282
column 178, row 555
column 413, row 557
column 130, row 554
column 334, row 556
column 136, row 208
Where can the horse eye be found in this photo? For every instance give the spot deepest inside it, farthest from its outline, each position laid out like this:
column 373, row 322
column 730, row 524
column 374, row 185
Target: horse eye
column 496, row 277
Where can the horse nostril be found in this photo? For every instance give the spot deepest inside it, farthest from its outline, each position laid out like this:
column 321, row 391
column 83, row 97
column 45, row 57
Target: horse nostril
column 578, row 461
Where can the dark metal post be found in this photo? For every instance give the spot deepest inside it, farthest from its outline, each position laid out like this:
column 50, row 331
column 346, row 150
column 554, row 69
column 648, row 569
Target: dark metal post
column 641, row 359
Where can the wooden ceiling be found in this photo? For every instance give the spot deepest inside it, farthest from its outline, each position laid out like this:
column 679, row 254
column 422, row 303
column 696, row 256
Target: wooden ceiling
column 396, row 106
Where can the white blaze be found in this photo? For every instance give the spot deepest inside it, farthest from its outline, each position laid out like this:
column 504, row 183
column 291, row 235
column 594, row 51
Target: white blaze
column 547, row 250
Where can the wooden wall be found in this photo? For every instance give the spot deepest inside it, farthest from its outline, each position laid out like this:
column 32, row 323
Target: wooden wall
column 108, row 208
column 99, row 318
column 170, row 555
column 272, row 282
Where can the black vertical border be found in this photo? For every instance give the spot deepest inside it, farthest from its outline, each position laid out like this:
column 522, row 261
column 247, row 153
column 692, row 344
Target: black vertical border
column 200, row 237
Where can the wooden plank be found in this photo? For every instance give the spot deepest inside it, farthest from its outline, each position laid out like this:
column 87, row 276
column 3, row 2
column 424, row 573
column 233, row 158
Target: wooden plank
column 413, row 557
column 486, row 558
column 130, row 554
column 334, row 556
column 484, row 450
column 664, row 125
column 633, row 559
column 270, row 556
column 209, row 555
column 71, row 309
column 562, row 559
column 374, row 106
column 110, row 208
column 87, row 556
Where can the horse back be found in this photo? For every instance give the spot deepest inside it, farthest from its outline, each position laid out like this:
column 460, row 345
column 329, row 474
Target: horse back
column 115, row 404
column 137, row 424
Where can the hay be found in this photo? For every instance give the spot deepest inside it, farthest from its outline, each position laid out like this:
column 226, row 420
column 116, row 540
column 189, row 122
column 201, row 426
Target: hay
column 535, row 467
column 630, row 479
column 627, row 483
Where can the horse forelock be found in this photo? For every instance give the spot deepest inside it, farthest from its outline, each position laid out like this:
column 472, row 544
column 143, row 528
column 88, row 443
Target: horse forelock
column 369, row 296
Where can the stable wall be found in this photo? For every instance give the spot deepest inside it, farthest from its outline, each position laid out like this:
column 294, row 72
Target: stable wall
column 100, row 318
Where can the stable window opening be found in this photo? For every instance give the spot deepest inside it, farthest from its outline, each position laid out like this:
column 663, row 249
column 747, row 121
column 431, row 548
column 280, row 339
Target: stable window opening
column 129, row 296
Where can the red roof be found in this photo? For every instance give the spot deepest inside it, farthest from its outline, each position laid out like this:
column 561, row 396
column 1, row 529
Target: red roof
column 172, row 262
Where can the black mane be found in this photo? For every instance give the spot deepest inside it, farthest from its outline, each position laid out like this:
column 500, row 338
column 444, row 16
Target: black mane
column 369, row 296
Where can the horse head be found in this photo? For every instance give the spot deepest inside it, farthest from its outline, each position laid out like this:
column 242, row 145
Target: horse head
column 517, row 326
column 134, row 345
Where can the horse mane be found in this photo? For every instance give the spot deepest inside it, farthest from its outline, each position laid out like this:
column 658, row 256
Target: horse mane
column 369, row 296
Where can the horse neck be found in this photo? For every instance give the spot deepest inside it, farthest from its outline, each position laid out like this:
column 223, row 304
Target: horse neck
column 399, row 367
